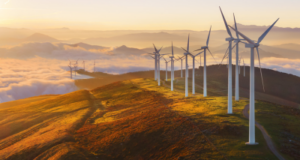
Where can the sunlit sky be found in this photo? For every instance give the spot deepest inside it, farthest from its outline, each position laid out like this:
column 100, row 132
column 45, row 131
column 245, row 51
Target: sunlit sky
column 145, row 14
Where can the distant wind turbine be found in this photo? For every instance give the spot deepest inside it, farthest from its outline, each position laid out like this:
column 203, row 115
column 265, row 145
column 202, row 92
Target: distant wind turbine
column 181, row 58
column 94, row 66
column 83, row 65
column 158, row 57
column 70, row 66
column 193, row 56
column 186, row 66
column 166, row 69
column 172, row 68
column 75, row 66
column 204, row 66
column 252, row 45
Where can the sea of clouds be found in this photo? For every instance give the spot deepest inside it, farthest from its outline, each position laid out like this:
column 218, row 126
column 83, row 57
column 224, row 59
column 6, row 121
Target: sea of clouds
column 34, row 69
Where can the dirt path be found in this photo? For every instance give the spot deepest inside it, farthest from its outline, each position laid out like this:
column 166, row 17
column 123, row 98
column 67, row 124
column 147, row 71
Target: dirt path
column 265, row 134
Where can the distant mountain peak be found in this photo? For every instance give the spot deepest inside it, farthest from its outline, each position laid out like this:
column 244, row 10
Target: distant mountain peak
column 38, row 37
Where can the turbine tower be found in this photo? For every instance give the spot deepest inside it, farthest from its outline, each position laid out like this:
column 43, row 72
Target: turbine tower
column 237, row 66
column 193, row 56
column 230, row 39
column 94, row 65
column 167, row 69
column 75, row 66
column 172, row 69
column 70, row 66
column 154, row 65
column 204, row 65
column 252, row 45
column 181, row 58
column 83, row 65
column 186, row 66
column 158, row 56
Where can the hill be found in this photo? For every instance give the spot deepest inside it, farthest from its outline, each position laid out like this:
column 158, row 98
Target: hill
column 285, row 88
column 136, row 119
column 38, row 37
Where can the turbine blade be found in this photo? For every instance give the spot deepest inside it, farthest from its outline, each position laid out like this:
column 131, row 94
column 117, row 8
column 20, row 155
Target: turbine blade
column 208, row 37
column 237, row 35
column 241, row 34
column 198, row 49
column 199, row 53
column 155, row 48
column 184, row 49
column 212, row 55
column 228, row 30
column 262, row 79
column 225, row 55
column 164, row 59
column 160, row 49
column 266, row 32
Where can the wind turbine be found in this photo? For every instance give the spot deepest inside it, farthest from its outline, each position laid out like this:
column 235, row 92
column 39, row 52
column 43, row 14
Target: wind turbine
column 252, row 45
column 83, row 65
column 237, row 69
column 181, row 58
column 167, row 69
column 154, row 65
column 75, row 66
column 230, row 39
column 193, row 56
column 204, row 67
column 94, row 65
column 186, row 66
column 172, row 69
column 158, row 56
column 70, row 66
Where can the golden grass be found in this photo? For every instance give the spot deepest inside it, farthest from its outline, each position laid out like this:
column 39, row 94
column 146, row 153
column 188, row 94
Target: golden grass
column 29, row 129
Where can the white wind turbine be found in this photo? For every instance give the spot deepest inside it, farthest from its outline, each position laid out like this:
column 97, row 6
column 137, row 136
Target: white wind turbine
column 193, row 56
column 158, row 57
column 154, row 65
column 252, row 45
column 186, row 66
column 94, row 65
column 204, row 65
column 230, row 39
column 83, row 65
column 70, row 66
column 172, row 69
column 166, row 69
column 75, row 66
column 181, row 58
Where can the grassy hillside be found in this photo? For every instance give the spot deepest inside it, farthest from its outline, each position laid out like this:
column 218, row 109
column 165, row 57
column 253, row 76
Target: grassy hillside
column 280, row 87
column 136, row 119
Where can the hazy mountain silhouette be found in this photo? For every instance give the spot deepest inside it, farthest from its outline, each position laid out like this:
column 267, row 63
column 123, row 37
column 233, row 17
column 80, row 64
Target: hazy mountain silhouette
column 290, row 46
column 38, row 37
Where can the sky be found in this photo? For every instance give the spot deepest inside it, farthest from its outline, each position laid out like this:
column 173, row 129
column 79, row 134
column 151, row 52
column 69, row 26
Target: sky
column 145, row 14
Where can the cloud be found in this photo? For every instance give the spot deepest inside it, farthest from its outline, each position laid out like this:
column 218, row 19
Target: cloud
column 36, row 87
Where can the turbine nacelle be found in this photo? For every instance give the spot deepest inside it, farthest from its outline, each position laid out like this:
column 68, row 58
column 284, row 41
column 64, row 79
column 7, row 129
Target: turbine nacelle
column 230, row 39
column 249, row 45
column 171, row 56
column 204, row 47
